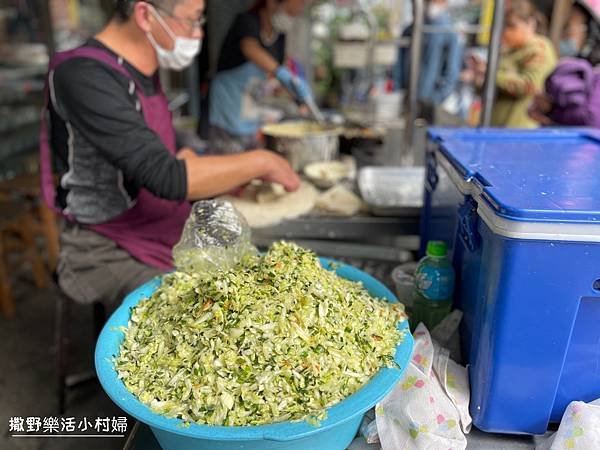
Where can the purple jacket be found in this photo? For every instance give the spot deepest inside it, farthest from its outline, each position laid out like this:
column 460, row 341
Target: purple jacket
column 574, row 90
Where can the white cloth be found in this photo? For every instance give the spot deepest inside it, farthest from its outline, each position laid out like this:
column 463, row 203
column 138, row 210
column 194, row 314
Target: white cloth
column 578, row 430
column 429, row 407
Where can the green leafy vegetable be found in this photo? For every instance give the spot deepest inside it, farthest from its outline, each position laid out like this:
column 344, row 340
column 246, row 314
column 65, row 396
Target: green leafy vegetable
column 275, row 338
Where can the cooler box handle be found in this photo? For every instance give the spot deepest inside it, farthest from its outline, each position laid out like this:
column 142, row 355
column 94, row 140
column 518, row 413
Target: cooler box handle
column 467, row 225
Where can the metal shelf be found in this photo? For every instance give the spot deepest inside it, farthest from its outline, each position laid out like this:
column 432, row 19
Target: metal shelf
column 14, row 118
column 19, row 142
column 18, row 73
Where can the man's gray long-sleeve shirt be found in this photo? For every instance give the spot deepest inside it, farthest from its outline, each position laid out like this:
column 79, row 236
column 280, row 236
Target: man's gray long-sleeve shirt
column 103, row 151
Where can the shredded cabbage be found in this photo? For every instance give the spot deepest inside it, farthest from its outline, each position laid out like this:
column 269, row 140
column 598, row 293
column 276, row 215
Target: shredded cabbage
column 276, row 338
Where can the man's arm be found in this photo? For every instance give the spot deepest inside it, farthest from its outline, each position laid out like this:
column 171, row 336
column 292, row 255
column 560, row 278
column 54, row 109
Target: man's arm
column 96, row 103
column 93, row 99
column 208, row 176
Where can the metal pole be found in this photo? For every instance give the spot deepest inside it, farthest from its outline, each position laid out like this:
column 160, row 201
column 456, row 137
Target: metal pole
column 415, row 71
column 560, row 12
column 361, row 9
column 193, row 89
column 489, row 87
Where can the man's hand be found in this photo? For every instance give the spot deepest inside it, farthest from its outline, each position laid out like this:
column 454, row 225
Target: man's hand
column 278, row 170
column 186, row 153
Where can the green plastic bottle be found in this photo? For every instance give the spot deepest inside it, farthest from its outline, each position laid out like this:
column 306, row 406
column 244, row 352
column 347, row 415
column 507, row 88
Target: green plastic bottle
column 434, row 286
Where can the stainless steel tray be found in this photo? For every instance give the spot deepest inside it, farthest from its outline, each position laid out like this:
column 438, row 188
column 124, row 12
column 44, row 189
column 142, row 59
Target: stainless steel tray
column 392, row 190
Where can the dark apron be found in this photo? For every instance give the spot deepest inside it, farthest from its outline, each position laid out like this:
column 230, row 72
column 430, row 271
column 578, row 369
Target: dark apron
column 152, row 226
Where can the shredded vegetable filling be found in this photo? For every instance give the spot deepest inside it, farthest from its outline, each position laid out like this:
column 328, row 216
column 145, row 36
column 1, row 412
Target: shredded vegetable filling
column 275, row 338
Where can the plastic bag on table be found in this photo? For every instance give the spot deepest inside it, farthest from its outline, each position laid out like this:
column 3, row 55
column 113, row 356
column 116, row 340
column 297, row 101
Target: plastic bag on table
column 428, row 408
column 579, row 428
column 360, row 443
column 215, row 237
column 447, row 336
column 368, row 428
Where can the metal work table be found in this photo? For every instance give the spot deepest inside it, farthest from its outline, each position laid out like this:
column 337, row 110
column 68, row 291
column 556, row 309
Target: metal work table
column 361, row 227
column 363, row 236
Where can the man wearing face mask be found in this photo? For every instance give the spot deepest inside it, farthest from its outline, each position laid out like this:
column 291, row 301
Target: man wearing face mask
column 253, row 50
column 108, row 159
column 442, row 57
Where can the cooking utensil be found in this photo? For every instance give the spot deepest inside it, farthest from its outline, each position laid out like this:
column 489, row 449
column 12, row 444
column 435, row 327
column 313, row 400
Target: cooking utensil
column 303, row 142
column 316, row 112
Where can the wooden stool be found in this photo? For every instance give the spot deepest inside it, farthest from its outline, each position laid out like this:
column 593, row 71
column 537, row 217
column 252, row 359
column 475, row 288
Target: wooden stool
column 17, row 237
column 27, row 187
column 41, row 221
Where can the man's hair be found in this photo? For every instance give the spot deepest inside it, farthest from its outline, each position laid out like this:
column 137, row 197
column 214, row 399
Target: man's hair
column 260, row 4
column 124, row 8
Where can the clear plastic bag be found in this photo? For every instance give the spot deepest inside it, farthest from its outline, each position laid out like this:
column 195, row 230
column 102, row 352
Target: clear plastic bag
column 215, row 237
column 368, row 428
column 579, row 428
column 429, row 408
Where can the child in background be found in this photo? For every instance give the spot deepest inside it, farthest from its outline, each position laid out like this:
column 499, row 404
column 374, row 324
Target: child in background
column 528, row 57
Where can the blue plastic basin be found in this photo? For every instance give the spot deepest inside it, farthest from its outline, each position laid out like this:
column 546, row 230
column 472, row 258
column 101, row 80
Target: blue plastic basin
column 335, row 432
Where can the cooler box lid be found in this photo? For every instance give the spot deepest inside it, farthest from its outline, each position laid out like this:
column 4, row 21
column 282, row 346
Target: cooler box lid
column 547, row 176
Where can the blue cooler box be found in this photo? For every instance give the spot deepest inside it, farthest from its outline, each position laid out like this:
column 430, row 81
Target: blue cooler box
column 521, row 211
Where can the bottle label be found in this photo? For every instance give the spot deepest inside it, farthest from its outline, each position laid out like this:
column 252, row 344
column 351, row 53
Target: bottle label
column 435, row 283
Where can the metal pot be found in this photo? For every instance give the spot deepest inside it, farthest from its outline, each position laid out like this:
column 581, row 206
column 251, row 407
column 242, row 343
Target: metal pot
column 303, row 142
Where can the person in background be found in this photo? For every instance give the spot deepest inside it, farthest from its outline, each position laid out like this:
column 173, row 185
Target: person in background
column 253, row 50
column 572, row 91
column 581, row 33
column 24, row 23
column 108, row 158
column 442, row 57
column 527, row 58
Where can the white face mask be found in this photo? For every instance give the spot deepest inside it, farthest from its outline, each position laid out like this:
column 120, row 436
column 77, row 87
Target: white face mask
column 184, row 49
column 282, row 22
column 435, row 11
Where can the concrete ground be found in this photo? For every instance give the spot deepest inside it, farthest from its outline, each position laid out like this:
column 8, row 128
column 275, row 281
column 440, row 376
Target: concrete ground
column 28, row 375
column 28, row 378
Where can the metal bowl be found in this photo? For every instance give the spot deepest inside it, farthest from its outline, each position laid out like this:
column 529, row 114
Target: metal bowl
column 303, row 142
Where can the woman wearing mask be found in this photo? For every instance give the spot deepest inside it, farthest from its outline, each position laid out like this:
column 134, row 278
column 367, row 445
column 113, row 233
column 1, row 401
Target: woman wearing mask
column 581, row 34
column 253, row 50
column 572, row 91
column 109, row 162
column 528, row 57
